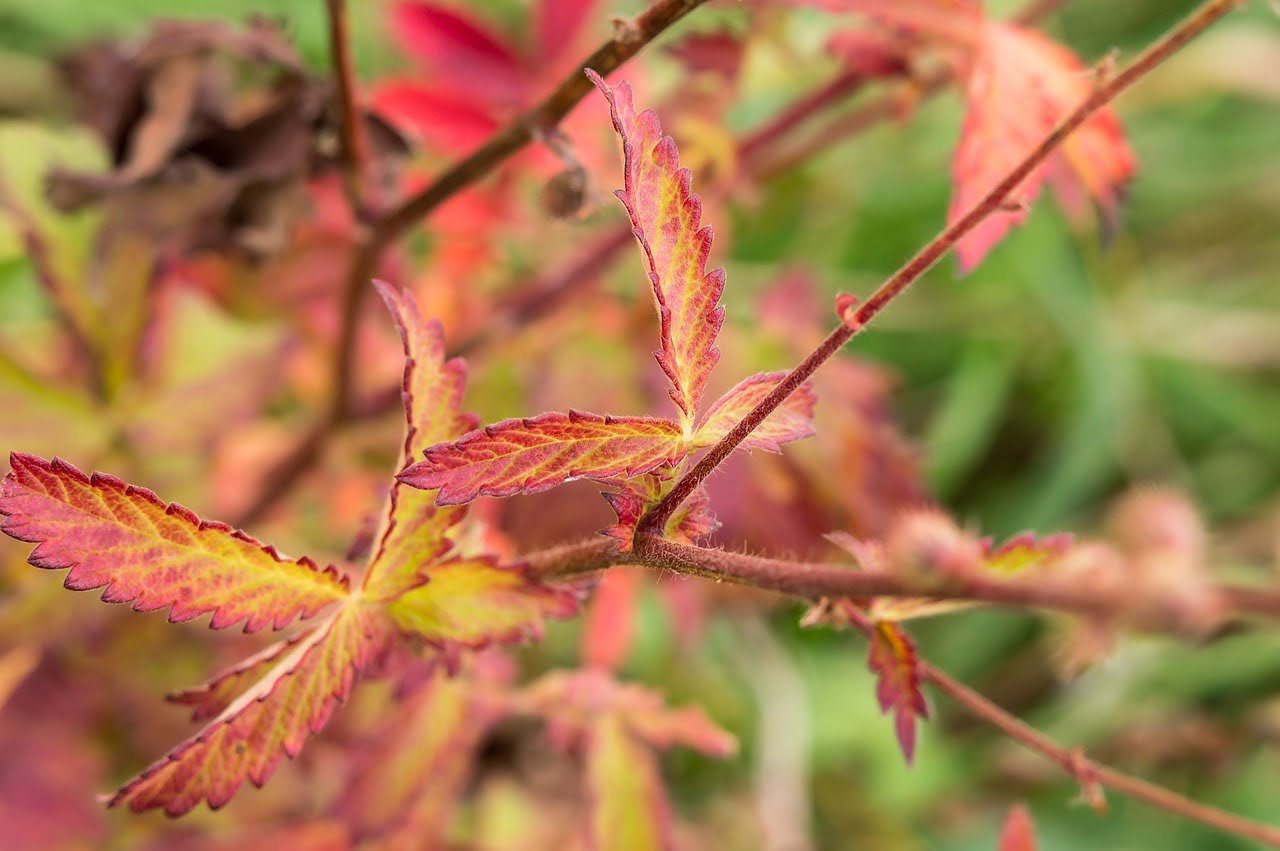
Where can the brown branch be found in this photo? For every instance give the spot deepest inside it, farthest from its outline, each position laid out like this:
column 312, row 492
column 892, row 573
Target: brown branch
column 1104, row 93
column 1088, row 772
column 355, row 141
column 629, row 38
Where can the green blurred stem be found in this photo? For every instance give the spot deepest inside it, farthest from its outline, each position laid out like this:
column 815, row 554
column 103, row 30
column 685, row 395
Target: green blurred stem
column 855, row 319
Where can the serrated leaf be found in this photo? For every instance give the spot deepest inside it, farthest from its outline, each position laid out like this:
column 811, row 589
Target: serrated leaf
column 475, row 602
column 1018, row 832
column 666, row 218
column 792, row 420
column 531, row 455
column 1021, row 85
column 629, row 807
column 274, row 717
column 413, row 531
column 689, row 523
column 141, row 551
column 893, row 659
column 209, row 699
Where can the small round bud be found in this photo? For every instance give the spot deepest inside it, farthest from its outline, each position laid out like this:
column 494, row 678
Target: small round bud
column 565, row 194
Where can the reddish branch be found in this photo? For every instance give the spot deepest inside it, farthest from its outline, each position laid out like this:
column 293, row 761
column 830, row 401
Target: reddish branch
column 355, row 142
column 1092, row 774
column 1106, row 91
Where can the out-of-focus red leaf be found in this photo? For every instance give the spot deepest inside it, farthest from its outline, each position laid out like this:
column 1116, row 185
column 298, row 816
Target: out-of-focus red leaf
column 1018, row 832
column 629, row 806
column 894, row 661
column 407, row 781
column 155, row 555
column 1025, row 551
column 792, row 420
column 667, row 220
column 456, row 46
column 441, row 117
column 275, row 716
column 531, row 455
column 609, row 625
column 1021, row 85
column 559, row 23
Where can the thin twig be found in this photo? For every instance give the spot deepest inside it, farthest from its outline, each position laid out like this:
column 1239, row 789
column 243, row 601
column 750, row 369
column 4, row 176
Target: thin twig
column 629, row 38
column 1104, row 93
column 355, row 141
column 1087, row 771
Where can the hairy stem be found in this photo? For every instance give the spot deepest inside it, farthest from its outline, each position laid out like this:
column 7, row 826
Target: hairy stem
column 935, row 250
column 1088, row 772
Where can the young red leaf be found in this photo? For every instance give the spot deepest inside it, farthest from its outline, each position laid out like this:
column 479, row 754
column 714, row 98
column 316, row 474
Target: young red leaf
column 792, row 420
column 155, row 555
column 666, row 218
column 413, row 530
column 275, row 716
column 1021, row 85
column 209, row 699
column 894, row 660
column 474, row 602
column 1018, row 832
column 531, row 455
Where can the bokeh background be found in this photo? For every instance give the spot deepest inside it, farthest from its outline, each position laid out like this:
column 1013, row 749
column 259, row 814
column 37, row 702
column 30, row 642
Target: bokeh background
column 1027, row 394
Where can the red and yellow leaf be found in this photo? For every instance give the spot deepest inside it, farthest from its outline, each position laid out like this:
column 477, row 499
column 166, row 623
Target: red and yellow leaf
column 1021, row 85
column 667, row 220
column 155, row 555
column 629, row 807
column 413, row 530
column 792, row 420
column 1018, row 832
column 531, row 455
column 274, row 717
column 474, row 602
column 894, row 660
column 209, row 699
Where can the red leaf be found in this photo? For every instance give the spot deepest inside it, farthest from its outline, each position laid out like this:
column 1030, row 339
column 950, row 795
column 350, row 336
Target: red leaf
column 792, row 420
column 457, row 47
column 531, row 455
column 413, row 531
column 1021, row 85
column 666, row 218
column 1018, row 832
column 451, row 120
column 893, row 659
column 275, row 716
column 609, row 626
column 155, row 555
column 1025, row 551
column 559, row 23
